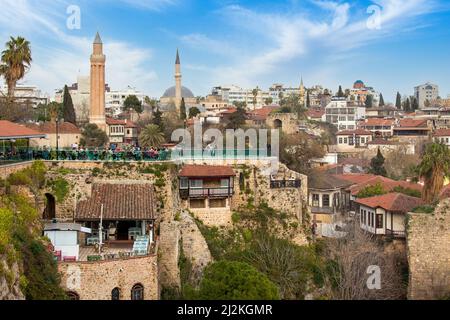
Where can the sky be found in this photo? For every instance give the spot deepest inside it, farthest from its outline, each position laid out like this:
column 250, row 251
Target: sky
column 392, row 45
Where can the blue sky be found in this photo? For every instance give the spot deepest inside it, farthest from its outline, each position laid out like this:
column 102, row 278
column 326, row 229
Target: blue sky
column 248, row 43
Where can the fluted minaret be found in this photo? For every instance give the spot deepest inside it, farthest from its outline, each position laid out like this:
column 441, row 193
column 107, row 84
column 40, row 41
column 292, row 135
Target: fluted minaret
column 178, row 95
column 302, row 94
column 97, row 99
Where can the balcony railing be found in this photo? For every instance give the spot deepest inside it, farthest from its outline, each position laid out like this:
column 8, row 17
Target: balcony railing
column 395, row 234
column 206, row 192
column 283, row 184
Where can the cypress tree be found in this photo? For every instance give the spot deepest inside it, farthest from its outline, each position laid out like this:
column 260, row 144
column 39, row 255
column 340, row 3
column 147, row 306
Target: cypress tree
column 68, row 110
column 308, row 100
column 183, row 110
column 340, row 93
column 369, row 101
column 398, row 103
column 377, row 165
column 381, row 100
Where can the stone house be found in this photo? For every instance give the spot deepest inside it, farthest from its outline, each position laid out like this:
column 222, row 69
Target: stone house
column 68, row 134
column 353, row 140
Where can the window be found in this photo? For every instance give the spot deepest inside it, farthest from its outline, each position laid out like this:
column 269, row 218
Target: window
column 326, row 200
column 340, row 140
column 115, row 294
column 379, row 221
column 196, row 184
column 225, row 183
column 315, row 200
column 137, row 292
column 184, row 183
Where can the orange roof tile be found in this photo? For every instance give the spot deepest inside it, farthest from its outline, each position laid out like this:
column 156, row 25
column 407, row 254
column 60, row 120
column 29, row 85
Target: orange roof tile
column 197, row 171
column 50, row 127
column 442, row 133
column 397, row 202
column 10, row 130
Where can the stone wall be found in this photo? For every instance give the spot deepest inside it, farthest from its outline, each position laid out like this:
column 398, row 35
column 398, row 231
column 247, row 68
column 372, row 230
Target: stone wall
column 6, row 170
column 96, row 280
column 169, row 253
column 428, row 248
column 9, row 281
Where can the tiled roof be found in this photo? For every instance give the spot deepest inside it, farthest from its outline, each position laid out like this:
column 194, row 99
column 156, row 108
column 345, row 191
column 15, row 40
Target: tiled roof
column 397, row 202
column 442, row 133
column 10, row 130
column 376, row 122
column 358, row 132
column 315, row 113
column 413, row 123
column 117, row 122
column 356, row 177
column 262, row 113
column 50, row 127
column 320, row 180
column 388, row 185
column 134, row 201
column 197, row 171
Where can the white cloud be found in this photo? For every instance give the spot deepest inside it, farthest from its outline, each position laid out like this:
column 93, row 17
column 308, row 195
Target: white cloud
column 284, row 37
column 58, row 57
column 155, row 5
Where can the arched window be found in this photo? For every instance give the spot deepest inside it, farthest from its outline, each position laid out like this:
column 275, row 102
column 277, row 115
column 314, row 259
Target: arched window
column 50, row 207
column 72, row 295
column 115, row 294
column 277, row 124
column 137, row 292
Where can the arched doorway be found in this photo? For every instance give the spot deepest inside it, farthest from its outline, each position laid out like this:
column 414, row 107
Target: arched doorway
column 277, row 124
column 115, row 294
column 137, row 292
column 72, row 295
column 50, row 207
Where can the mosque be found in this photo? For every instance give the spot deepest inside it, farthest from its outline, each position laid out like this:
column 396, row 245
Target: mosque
column 174, row 95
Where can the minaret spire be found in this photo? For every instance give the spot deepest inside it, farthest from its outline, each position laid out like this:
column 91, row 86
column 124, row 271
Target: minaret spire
column 178, row 93
column 97, row 78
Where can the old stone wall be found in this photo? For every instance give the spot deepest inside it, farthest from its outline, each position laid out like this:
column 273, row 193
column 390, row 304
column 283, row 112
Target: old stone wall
column 96, row 280
column 6, row 170
column 194, row 247
column 428, row 249
column 169, row 253
column 9, row 281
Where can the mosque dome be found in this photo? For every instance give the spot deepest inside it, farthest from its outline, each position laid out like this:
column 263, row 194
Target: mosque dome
column 185, row 93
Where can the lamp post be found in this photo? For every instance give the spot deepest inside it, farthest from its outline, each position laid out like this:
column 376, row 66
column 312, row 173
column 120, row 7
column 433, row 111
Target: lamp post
column 57, row 138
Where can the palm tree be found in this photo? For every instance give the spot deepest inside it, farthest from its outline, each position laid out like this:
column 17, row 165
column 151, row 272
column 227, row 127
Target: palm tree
column 435, row 166
column 15, row 61
column 151, row 136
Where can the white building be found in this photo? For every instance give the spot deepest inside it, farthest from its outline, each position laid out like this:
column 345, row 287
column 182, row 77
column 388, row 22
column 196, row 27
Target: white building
column 31, row 95
column 80, row 93
column 114, row 100
column 442, row 136
column 65, row 238
column 343, row 114
column 426, row 92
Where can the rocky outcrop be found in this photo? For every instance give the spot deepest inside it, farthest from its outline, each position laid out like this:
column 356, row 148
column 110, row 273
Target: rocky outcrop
column 10, row 281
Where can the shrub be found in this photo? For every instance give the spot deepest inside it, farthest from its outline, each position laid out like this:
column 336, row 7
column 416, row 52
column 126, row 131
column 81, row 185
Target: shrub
column 227, row 280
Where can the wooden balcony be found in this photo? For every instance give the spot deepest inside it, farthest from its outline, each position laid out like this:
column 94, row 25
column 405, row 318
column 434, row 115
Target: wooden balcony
column 201, row 193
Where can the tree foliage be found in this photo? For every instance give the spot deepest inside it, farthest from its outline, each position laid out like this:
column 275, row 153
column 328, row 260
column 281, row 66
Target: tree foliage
column 230, row 280
column 93, row 136
column 372, row 191
column 193, row 112
column 151, row 136
column 183, row 110
column 377, row 165
column 398, row 101
column 434, row 168
column 68, row 109
column 133, row 103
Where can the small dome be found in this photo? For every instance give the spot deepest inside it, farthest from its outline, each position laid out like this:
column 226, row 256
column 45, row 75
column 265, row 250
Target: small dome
column 185, row 93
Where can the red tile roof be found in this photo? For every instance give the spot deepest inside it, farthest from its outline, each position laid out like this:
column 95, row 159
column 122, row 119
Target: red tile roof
column 388, row 185
column 358, row 132
column 396, row 202
column 377, row 122
column 442, row 133
column 413, row 123
column 10, row 130
column 197, row 171
column 356, row 177
column 50, row 127
column 120, row 201
column 262, row 113
column 315, row 113
column 118, row 122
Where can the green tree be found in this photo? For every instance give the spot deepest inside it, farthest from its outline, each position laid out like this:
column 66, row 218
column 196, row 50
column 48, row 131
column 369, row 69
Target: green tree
column 414, row 104
column 15, row 61
column 308, row 100
column 377, row 165
column 228, row 280
column 398, row 101
column 183, row 109
column 255, row 96
column 152, row 103
column 237, row 119
column 371, row 191
column 133, row 103
column 407, row 105
column 193, row 112
column 268, row 101
column 434, row 168
column 240, row 104
column 369, row 101
column 93, row 136
column 292, row 102
column 381, row 100
column 151, row 136
column 340, row 93
column 157, row 119
column 68, row 110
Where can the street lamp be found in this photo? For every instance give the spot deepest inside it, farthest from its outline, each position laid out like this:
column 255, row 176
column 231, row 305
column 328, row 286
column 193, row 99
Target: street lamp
column 57, row 138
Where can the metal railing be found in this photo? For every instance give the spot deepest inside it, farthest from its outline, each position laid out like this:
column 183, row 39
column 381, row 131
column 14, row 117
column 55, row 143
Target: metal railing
column 206, row 192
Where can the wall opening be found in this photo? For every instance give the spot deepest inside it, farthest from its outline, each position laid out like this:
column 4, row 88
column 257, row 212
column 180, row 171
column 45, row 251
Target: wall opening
column 277, row 124
column 137, row 292
column 50, row 207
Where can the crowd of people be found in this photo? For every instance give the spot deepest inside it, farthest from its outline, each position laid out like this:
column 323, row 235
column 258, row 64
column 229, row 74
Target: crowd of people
column 112, row 153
